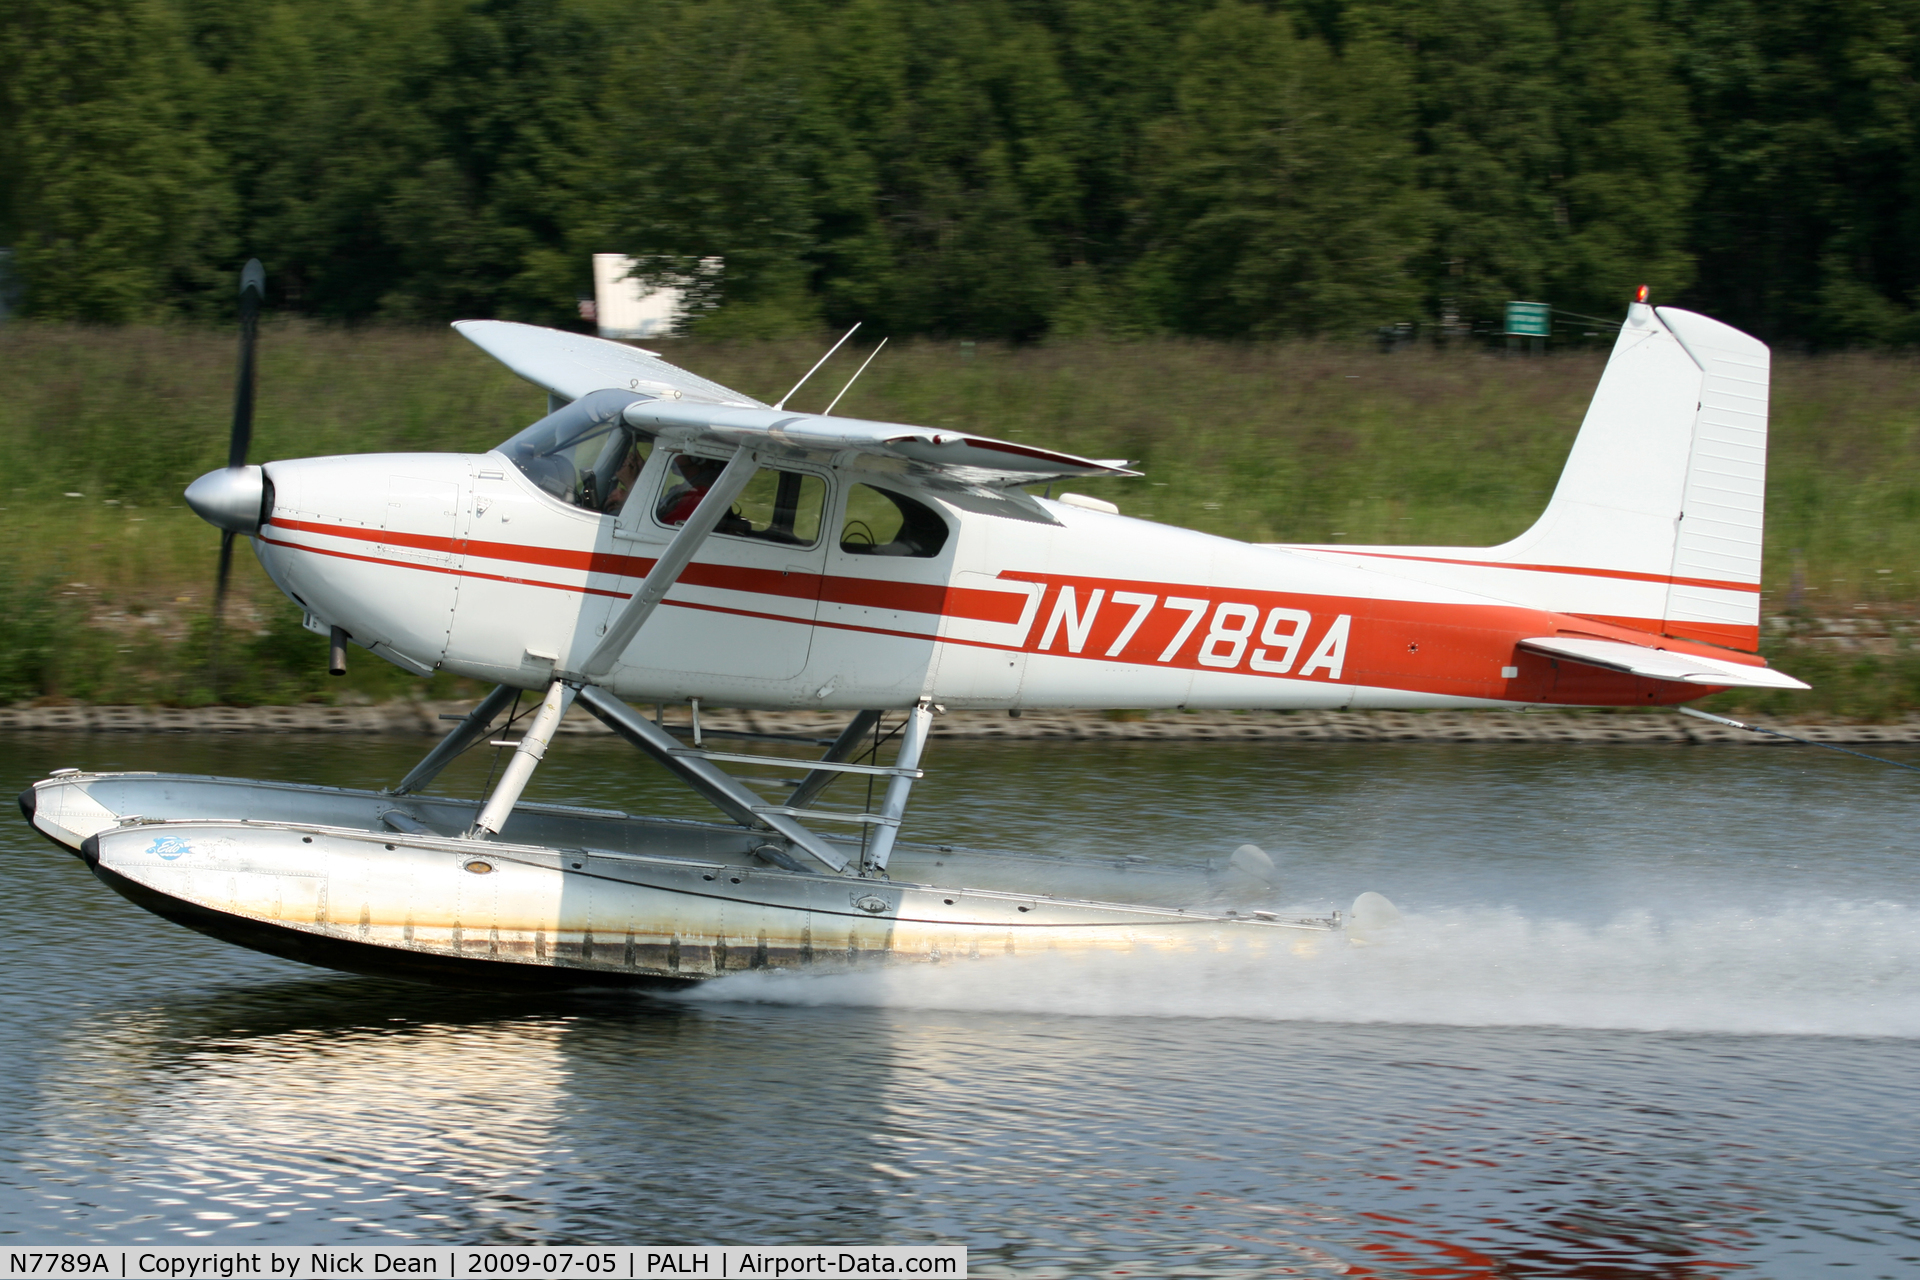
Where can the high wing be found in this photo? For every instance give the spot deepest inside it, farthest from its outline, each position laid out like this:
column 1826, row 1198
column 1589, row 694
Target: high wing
column 975, row 473
column 972, row 472
column 572, row 364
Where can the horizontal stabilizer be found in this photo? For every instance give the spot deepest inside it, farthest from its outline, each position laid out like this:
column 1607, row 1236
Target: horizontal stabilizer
column 1662, row 664
column 572, row 364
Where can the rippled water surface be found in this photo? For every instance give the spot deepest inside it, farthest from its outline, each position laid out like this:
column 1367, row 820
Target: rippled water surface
column 1654, row 1012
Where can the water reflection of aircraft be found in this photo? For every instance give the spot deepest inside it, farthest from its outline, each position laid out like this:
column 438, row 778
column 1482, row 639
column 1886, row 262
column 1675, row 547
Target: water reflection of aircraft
column 660, row 538
column 324, row 1108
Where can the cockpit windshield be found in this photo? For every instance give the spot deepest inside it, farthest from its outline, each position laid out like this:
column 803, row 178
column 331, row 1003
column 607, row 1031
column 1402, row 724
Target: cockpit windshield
column 584, row 453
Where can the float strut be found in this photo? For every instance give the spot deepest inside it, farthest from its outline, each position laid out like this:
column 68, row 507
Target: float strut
column 722, row 791
column 469, row 731
column 912, row 741
column 850, row 740
column 528, row 753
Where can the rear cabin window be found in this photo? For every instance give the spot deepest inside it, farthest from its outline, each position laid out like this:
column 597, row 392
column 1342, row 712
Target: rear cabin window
column 776, row 506
column 583, row 454
column 880, row 523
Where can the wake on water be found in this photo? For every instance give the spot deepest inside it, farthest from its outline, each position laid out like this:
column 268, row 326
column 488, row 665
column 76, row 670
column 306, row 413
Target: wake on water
column 1825, row 969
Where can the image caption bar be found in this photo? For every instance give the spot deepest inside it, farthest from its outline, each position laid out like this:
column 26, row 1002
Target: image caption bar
column 445, row 1262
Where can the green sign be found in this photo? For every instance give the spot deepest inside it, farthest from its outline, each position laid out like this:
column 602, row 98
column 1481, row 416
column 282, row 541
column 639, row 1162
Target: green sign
column 1529, row 320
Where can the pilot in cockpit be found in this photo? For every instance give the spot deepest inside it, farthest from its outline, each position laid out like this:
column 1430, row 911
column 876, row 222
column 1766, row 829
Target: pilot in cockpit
column 624, row 478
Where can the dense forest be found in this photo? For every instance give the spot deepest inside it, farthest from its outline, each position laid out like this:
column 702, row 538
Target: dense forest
column 990, row 168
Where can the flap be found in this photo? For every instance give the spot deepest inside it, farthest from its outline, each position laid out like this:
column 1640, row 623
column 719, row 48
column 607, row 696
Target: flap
column 1662, row 664
column 572, row 364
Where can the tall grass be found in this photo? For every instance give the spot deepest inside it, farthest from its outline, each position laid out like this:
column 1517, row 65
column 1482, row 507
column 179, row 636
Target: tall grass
column 1270, row 442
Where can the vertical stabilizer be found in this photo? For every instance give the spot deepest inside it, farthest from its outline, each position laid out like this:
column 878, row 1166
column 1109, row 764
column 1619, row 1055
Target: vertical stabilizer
column 1618, row 502
column 1656, row 522
column 1662, row 498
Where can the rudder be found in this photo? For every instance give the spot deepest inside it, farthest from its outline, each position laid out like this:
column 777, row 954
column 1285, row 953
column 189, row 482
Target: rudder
column 1724, row 508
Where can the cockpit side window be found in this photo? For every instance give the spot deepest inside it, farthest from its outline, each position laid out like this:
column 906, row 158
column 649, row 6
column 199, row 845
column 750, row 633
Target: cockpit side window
column 776, row 506
column 584, row 454
column 882, row 523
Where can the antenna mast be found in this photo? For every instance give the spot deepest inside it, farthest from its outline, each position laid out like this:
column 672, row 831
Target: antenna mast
column 856, row 375
column 816, row 366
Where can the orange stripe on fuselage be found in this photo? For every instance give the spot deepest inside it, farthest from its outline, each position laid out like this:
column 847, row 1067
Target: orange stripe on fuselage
column 1728, row 635
column 1574, row 570
column 1444, row 649
column 934, row 599
column 1718, row 634
column 436, row 568
column 1451, row 650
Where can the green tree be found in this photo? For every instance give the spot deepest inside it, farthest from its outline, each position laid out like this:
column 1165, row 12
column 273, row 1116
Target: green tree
column 115, row 203
column 1117, row 57
column 309, row 110
column 1623, row 191
column 1484, row 93
column 1553, row 138
column 1279, row 195
column 708, row 153
column 486, row 213
column 418, row 161
column 1808, row 223
column 959, row 125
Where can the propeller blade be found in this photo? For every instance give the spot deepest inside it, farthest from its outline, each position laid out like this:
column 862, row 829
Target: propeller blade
column 226, row 567
column 253, row 291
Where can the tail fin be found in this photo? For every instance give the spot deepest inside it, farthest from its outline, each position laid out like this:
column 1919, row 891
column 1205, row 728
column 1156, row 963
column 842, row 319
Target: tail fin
column 1666, row 483
column 1656, row 521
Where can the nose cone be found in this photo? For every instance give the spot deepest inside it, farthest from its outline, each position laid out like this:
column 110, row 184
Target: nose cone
column 231, row 498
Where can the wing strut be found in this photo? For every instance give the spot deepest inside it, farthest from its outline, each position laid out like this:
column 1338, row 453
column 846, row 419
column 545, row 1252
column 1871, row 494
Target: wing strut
column 672, row 563
column 532, row 747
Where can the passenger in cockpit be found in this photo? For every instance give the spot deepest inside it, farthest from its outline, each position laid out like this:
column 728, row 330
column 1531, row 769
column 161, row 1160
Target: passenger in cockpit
column 697, row 475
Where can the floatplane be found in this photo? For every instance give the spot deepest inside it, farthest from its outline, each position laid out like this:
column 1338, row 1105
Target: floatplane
column 658, row 538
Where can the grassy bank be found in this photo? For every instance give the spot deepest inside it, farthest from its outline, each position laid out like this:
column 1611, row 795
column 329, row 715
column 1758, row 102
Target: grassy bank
column 105, row 596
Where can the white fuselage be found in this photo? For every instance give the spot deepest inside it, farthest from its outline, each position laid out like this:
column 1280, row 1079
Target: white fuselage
column 459, row 562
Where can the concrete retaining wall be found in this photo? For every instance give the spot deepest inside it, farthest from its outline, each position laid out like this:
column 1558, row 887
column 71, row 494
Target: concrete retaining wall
column 422, row 718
